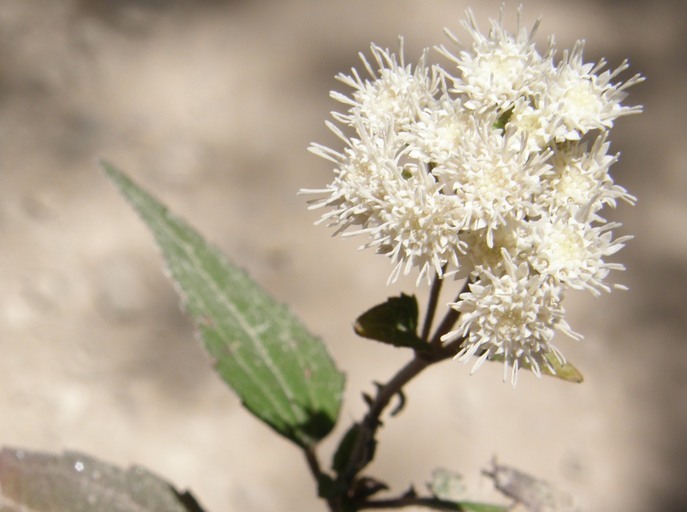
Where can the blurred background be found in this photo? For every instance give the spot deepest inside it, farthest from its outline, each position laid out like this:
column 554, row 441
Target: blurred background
column 211, row 104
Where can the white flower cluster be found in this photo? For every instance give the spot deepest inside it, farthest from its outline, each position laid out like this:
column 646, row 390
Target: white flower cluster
column 496, row 170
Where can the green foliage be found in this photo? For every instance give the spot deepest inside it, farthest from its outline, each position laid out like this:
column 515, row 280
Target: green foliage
column 566, row 371
column 73, row 482
column 343, row 451
column 393, row 322
column 281, row 372
column 469, row 506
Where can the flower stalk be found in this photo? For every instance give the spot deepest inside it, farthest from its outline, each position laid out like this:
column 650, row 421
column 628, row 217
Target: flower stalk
column 348, row 495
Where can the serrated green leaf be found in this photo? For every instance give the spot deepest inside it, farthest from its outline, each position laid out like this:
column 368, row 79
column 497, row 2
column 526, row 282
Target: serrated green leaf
column 73, row 482
column 394, row 322
column 281, row 372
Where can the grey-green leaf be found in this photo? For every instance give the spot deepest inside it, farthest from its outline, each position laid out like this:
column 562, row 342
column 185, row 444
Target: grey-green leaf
column 533, row 493
column 281, row 372
column 446, row 484
column 73, row 482
column 447, row 487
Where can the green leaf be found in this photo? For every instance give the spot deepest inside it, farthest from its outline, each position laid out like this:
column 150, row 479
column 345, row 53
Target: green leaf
column 566, row 372
column 73, row 482
column 394, row 322
column 342, row 454
column 281, row 372
column 471, row 506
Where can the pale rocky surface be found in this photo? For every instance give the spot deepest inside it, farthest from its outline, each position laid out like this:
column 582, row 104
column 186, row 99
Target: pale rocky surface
column 212, row 104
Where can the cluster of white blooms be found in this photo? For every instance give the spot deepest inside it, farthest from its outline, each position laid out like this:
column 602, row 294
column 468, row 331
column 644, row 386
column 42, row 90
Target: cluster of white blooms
column 496, row 169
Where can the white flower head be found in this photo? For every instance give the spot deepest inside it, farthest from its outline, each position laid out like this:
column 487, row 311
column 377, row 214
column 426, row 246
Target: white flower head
column 497, row 169
column 437, row 135
column 584, row 97
column 486, row 248
column 512, row 315
column 580, row 180
column 418, row 226
column 501, row 67
column 492, row 177
column 538, row 121
column 362, row 176
column 395, row 92
column 571, row 252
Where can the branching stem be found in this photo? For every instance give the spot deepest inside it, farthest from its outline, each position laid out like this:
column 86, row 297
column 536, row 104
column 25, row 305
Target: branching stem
column 360, row 455
column 345, row 498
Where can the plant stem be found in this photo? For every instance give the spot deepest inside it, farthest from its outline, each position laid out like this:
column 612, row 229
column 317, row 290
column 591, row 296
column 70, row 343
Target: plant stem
column 313, row 462
column 360, row 455
column 432, row 305
column 412, row 501
column 449, row 320
column 362, row 452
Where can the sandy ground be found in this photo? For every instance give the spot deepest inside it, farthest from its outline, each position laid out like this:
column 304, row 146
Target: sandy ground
column 212, row 104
